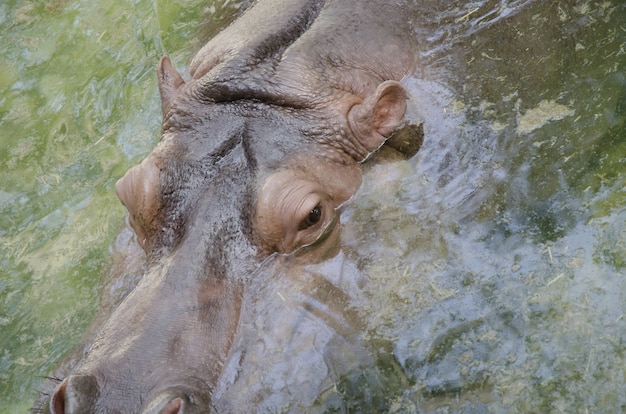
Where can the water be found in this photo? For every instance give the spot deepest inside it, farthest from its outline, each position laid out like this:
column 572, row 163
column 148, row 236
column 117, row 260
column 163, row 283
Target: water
column 498, row 255
column 486, row 272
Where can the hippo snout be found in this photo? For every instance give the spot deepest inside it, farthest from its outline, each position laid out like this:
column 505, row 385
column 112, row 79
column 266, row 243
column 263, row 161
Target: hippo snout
column 81, row 394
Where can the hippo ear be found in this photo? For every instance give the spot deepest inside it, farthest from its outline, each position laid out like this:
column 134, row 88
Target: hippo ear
column 373, row 120
column 169, row 82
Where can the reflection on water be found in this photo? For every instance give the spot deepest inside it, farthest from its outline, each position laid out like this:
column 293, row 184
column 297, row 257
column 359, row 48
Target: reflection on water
column 482, row 275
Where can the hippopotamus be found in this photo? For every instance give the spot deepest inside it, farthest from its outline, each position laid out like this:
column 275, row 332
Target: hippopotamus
column 260, row 147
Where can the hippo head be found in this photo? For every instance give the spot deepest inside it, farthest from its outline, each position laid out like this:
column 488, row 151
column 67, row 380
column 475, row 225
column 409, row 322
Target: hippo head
column 240, row 174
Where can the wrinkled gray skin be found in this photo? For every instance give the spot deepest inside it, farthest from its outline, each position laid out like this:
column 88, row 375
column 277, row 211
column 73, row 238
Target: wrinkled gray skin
column 258, row 150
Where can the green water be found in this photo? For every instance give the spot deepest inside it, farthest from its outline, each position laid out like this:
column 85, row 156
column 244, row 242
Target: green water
column 78, row 106
column 496, row 258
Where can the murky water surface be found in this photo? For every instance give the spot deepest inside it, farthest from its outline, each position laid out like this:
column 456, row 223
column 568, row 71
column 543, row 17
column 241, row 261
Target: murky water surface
column 483, row 275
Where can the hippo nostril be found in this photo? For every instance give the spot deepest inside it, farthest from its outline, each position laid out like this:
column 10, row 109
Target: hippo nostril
column 173, row 407
column 57, row 402
column 167, row 403
column 76, row 394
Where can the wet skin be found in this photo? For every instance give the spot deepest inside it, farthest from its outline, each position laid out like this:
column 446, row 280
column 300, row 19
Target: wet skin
column 259, row 150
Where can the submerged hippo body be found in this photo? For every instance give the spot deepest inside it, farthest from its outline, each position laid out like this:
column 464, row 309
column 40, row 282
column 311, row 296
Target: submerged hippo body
column 258, row 151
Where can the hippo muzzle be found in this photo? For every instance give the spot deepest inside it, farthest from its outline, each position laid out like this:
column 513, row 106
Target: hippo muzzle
column 80, row 393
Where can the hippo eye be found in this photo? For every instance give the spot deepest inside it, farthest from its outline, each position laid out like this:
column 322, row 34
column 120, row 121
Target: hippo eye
column 312, row 218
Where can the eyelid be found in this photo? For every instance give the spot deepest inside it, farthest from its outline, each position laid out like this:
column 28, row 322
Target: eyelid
column 308, row 204
column 305, row 223
column 327, row 230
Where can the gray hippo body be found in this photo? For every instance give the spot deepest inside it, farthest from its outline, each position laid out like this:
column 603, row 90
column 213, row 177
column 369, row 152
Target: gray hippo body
column 259, row 149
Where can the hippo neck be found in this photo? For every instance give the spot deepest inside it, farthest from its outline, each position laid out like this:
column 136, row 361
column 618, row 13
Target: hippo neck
column 301, row 53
